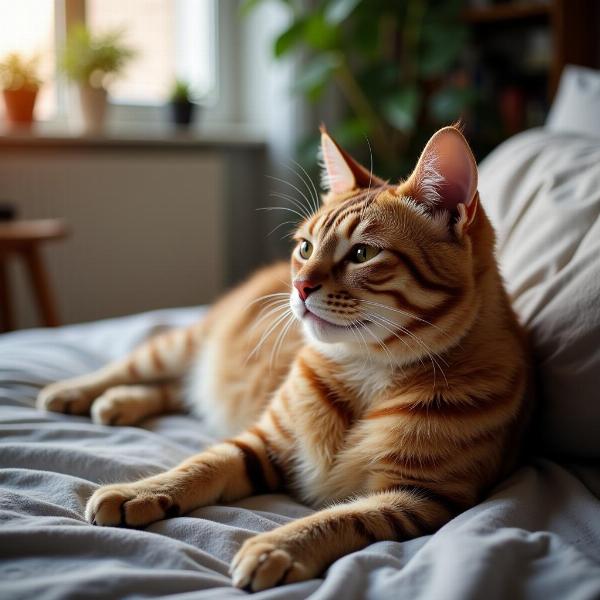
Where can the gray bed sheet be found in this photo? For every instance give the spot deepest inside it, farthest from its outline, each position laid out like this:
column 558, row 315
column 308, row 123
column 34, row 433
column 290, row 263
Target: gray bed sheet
column 536, row 536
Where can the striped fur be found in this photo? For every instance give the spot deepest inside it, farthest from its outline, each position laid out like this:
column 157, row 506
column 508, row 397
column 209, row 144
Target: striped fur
column 393, row 409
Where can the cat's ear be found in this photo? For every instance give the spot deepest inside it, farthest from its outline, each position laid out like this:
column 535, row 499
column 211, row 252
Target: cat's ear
column 445, row 177
column 341, row 173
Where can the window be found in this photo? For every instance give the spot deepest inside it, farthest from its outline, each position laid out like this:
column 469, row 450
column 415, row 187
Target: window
column 172, row 39
column 27, row 27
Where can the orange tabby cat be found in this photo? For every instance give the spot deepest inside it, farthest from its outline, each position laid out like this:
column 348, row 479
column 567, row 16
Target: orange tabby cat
column 396, row 404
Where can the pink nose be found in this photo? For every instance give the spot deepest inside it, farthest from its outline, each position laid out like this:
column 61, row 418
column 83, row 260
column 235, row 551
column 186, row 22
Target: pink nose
column 306, row 287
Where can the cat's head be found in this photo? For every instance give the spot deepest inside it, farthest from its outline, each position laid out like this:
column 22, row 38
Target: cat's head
column 390, row 266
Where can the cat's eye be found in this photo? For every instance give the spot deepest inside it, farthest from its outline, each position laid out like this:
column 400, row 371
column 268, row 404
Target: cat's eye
column 306, row 249
column 362, row 253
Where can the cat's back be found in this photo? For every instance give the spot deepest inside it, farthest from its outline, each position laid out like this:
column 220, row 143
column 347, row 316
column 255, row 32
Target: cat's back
column 249, row 341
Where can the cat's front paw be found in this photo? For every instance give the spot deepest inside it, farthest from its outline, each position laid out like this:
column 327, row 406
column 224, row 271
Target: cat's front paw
column 265, row 561
column 65, row 397
column 130, row 505
column 118, row 406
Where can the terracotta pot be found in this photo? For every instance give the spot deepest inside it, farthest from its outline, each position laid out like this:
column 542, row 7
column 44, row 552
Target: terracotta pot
column 20, row 105
column 93, row 107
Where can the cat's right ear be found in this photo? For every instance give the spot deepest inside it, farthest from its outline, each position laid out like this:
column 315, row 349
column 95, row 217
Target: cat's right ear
column 341, row 174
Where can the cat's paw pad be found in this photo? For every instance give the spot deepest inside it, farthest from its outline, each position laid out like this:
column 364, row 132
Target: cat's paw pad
column 64, row 398
column 129, row 505
column 116, row 406
column 260, row 565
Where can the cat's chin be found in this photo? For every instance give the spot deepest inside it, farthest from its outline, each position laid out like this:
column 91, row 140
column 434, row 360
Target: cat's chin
column 321, row 330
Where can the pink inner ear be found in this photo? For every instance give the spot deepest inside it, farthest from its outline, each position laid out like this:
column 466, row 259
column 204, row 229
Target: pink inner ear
column 457, row 178
column 446, row 174
column 338, row 176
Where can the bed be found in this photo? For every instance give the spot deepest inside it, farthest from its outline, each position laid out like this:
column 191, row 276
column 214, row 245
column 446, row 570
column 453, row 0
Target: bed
column 537, row 535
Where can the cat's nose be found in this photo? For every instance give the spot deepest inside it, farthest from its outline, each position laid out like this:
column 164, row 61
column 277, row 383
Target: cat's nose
column 306, row 287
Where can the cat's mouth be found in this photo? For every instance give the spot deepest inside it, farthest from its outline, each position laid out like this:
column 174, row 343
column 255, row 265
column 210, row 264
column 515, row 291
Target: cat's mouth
column 321, row 322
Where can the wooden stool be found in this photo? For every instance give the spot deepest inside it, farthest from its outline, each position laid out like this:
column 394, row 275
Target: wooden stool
column 24, row 238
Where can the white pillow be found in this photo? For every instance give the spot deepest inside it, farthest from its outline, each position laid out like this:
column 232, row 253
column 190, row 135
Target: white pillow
column 541, row 190
column 576, row 108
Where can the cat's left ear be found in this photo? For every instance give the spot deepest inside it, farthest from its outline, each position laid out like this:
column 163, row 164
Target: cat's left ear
column 446, row 178
column 341, row 173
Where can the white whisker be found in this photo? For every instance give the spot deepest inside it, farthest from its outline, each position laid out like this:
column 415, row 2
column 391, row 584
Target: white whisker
column 314, row 187
column 293, row 200
column 310, row 199
column 405, row 313
column 266, row 334
column 267, row 296
column 279, row 340
column 382, row 345
column 302, row 217
column 292, row 186
column 378, row 320
column 354, row 329
column 281, row 225
column 362, row 212
column 272, row 311
column 430, row 354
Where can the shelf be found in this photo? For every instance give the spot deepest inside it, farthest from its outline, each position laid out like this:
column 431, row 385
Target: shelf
column 514, row 11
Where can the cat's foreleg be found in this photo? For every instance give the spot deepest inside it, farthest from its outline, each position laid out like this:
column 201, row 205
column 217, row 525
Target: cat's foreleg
column 164, row 357
column 303, row 549
column 130, row 404
column 234, row 469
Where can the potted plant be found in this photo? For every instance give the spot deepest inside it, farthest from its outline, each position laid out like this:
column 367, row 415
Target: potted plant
column 92, row 61
column 20, row 84
column 181, row 105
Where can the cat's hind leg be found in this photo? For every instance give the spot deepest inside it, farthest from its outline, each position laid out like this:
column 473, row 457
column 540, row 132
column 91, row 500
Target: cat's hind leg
column 163, row 358
column 130, row 404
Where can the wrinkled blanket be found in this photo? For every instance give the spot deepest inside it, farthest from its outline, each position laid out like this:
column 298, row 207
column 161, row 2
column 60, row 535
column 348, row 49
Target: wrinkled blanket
column 536, row 536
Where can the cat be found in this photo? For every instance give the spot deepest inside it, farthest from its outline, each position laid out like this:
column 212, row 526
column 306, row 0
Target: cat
column 394, row 402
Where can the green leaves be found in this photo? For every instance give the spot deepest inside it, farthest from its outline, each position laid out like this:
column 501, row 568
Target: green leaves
column 289, row 38
column 317, row 73
column 448, row 104
column 319, row 33
column 18, row 72
column 312, row 30
column 352, row 132
column 402, row 108
column 89, row 58
column 441, row 47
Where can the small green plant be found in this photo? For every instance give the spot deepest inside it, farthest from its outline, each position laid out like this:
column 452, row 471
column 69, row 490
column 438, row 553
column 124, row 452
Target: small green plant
column 181, row 91
column 94, row 58
column 18, row 72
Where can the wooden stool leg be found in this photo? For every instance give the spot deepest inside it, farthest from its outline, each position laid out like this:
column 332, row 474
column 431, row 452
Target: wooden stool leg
column 41, row 286
column 7, row 322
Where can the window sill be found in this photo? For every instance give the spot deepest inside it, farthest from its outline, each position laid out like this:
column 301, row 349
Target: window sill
column 47, row 135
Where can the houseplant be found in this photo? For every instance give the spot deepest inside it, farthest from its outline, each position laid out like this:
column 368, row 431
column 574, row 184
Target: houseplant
column 181, row 105
column 92, row 61
column 20, row 84
column 390, row 63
